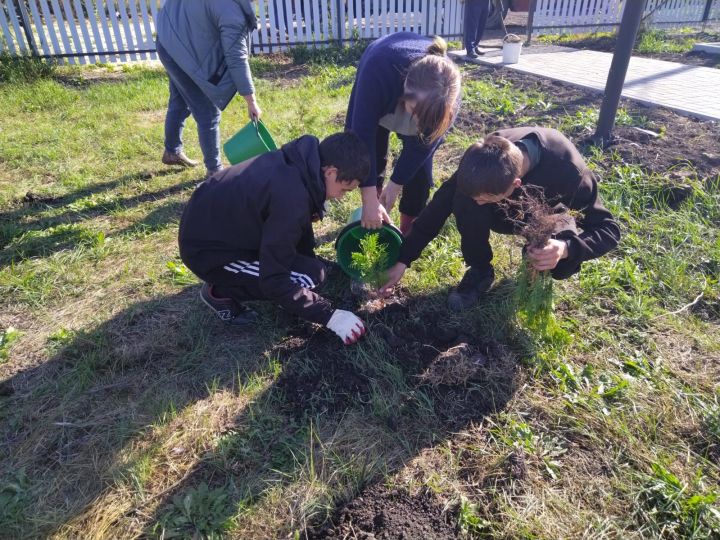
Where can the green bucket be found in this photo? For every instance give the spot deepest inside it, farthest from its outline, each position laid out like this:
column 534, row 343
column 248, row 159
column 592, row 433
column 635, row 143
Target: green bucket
column 348, row 242
column 252, row 140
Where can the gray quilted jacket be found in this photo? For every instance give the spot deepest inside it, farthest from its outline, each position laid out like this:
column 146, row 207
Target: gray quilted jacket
column 210, row 41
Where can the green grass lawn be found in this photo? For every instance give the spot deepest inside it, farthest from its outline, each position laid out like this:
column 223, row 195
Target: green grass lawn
column 127, row 410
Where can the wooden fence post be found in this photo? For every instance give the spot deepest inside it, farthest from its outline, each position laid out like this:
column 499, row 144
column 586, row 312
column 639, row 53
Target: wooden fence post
column 27, row 29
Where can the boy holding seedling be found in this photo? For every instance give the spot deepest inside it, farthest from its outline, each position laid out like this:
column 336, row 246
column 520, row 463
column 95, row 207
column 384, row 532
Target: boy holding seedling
column 247, row 231
column 481, row 194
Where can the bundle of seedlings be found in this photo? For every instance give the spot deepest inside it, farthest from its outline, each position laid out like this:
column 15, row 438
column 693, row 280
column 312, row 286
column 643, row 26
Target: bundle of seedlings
column 371, row 262
column 536, row 221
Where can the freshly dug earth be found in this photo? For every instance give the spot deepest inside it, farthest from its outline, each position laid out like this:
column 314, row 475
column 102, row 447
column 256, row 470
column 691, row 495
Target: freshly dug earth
column 317, row 376
column 389, row 514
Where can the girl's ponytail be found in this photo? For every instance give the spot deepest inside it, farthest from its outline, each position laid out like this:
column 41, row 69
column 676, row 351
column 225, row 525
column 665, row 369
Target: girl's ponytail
column 437, row 79
column 438, row 47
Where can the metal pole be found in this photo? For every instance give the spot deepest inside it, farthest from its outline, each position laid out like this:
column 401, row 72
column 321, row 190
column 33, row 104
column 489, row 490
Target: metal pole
column 632, row 14
column 706, row 13
column 27, row 29
column 531, row 17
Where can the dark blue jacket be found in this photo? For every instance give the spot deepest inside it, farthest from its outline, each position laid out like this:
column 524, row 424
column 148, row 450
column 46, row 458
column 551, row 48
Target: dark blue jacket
column 378, row 86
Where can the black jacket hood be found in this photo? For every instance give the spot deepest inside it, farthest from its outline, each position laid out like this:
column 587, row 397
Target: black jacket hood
column 304, row 154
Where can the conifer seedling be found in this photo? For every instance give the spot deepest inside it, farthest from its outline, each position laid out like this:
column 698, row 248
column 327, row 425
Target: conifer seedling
column 371, row 261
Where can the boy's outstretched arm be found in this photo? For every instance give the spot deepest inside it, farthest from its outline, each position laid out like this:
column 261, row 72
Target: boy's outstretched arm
column 428, row 224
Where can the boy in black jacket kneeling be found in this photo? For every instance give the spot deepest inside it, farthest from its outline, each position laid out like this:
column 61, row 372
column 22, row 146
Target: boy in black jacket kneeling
column 247, row 231
column 489, row 178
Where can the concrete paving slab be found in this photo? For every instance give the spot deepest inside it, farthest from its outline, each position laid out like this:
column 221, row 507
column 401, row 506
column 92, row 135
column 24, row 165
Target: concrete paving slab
column 710, row 48
column 686, row 89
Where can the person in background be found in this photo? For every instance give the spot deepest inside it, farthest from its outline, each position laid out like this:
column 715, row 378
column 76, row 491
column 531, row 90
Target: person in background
column 204, row 46
column 493, row 171
column 474, row 21
column 406, row 84
column 247, row 231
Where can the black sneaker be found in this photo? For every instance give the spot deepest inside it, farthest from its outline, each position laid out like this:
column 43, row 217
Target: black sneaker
column 471, row 54
column 227, row 310
column 471, row 286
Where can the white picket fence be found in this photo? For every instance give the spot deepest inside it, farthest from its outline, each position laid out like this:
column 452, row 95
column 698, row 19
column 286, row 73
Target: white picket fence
column 90, row 31
column 575, row 16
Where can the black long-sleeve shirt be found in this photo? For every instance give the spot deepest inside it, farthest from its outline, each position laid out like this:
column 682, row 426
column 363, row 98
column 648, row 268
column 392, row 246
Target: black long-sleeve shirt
column 264, row 205
column 563, row 176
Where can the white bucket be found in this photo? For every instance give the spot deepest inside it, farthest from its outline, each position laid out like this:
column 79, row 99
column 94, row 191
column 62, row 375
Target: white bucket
column 511, row 53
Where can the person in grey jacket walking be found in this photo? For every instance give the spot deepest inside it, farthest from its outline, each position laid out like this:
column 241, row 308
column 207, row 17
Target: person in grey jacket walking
column 204, row 46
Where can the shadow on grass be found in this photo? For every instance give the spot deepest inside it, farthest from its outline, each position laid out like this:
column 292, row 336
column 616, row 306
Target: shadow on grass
column 69, row 425
column 337, row 419
column 79, row 427
column 25, row 232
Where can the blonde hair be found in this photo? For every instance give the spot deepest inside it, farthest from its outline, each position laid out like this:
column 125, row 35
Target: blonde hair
column 437, row 79
column 489, row 166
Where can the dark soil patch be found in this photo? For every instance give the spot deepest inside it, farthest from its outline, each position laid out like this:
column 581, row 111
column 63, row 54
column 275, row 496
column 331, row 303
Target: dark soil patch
column 383, row 513
column 685, row 146
column 317, row 376
column 320, row 376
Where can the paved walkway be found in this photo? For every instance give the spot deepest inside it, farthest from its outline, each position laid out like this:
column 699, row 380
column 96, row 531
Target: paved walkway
column 688, row 90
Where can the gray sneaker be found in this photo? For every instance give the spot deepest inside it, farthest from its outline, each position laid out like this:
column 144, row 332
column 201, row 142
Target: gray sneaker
column 226, row 309
column 178, row 159
column 471, row 286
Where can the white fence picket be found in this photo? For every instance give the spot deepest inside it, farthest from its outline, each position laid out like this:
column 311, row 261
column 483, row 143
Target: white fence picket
column 122, row 10
column 82, row 24
column 149, row 38
column 352, row 24
column 69, row 20
column 260, row 36
column 83, row 31
column 326, row 21
column 105, row 22
column 139, row 38
column 39, row 28
column 58, row 21
column 309, row 23
column 97, row 36
column 20, row 38
column 117, row 36
column 7, row 40
column 49, row 26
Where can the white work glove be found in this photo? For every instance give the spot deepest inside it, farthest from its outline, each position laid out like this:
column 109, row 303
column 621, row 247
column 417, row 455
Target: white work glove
column 348, row 326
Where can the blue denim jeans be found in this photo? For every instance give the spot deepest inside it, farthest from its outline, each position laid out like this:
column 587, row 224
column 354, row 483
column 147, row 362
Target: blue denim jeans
column 187, row 98
column 476, row 14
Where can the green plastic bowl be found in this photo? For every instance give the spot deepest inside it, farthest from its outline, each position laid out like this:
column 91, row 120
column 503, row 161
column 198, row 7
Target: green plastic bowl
column 348, row 242
column 252, row 140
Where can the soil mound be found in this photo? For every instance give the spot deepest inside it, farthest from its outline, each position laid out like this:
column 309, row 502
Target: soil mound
column 389, row 514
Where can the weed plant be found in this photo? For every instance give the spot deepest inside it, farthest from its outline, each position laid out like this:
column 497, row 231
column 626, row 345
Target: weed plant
column 371, row 261
column 335, row 54
column 24, row 69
